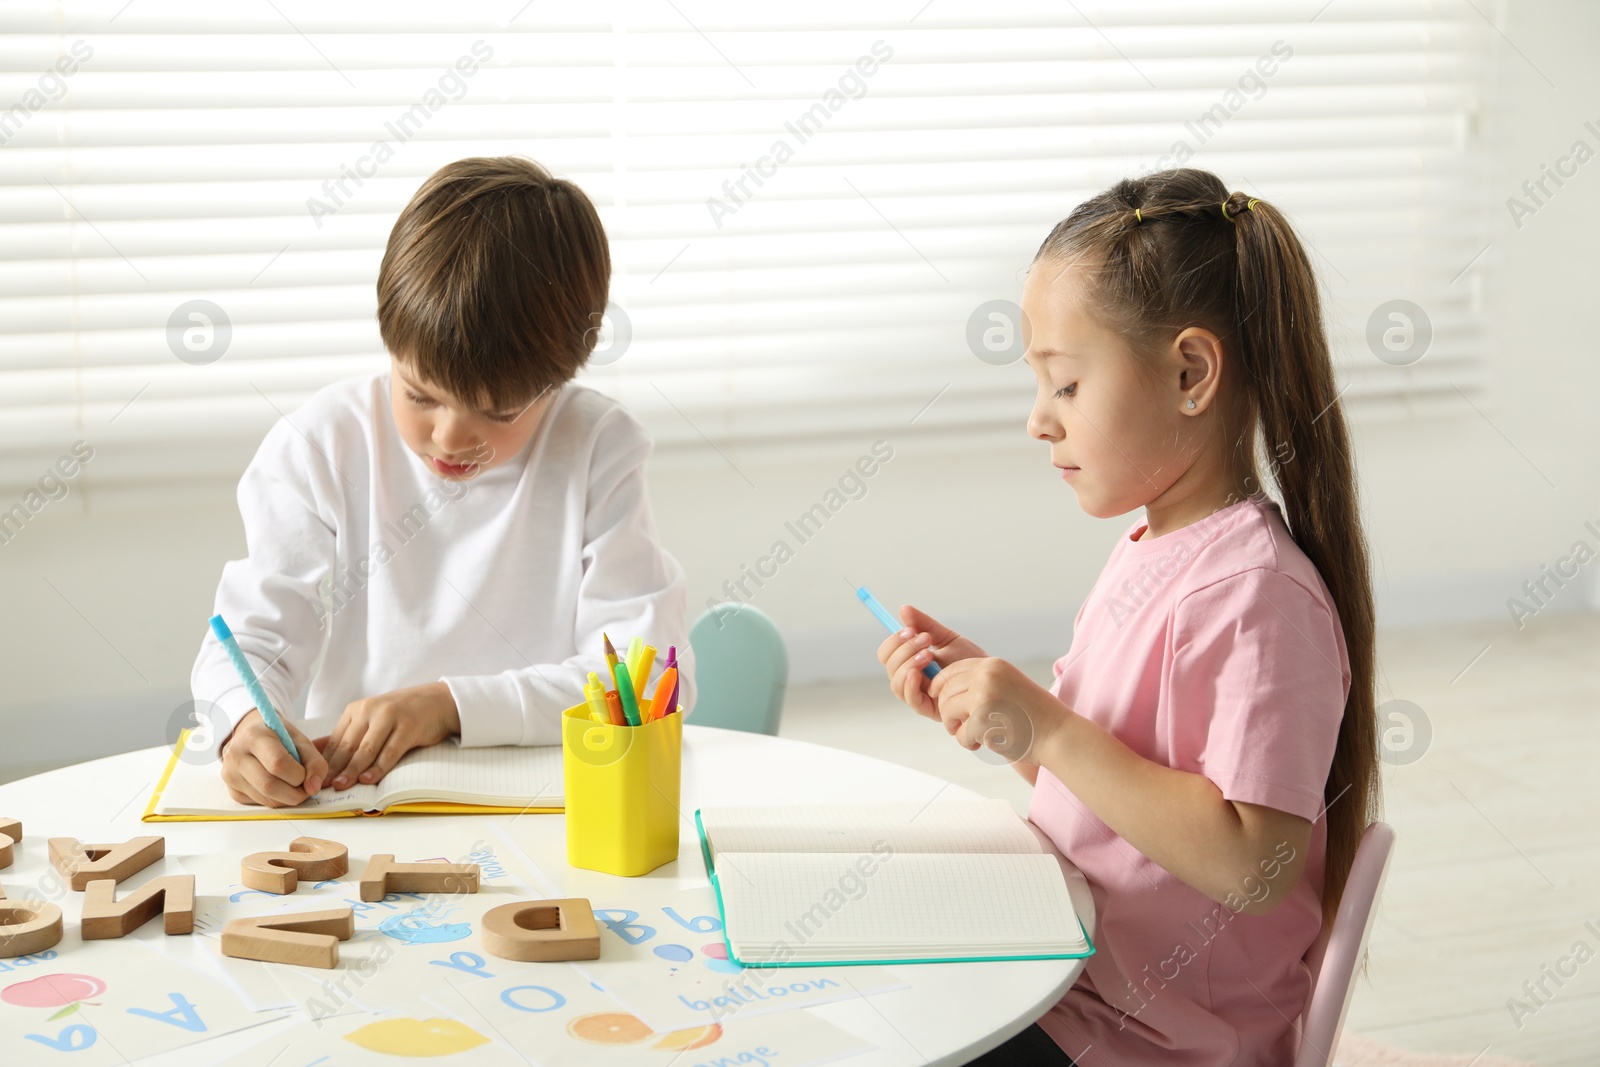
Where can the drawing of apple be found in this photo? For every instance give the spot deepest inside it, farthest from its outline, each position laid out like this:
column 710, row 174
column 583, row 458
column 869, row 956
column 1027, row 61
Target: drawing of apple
column 52, row 990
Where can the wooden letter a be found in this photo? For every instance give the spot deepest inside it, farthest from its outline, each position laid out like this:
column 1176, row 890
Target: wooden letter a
column 82, row 864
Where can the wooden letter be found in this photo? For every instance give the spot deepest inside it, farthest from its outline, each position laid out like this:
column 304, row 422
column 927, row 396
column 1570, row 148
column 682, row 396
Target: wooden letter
column 309, row 939
column 541, row 931
column 10, row 834
column 104, row 916
column 25, row 930
column 312, row 858
column 82, row 864
column 384, row 876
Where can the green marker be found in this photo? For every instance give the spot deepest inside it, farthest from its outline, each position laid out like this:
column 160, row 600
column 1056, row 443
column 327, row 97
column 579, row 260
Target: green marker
column 630, row 703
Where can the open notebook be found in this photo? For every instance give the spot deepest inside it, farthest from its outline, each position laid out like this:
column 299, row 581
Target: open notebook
column 441, row 778
column 886, row 883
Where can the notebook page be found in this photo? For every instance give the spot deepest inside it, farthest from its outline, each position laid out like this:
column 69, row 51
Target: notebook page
column 508, row 775
column 197, row 789
column 908, row 905
column 987, row 826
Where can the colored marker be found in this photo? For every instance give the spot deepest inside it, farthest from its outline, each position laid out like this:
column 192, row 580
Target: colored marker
column 639, row 673
column 630, row 705
column 661, row 705
column 635, row 650
column 269, row 714
column 595, row 694
column 672, row 661
column 889, row 621
column 611, row 654
column 614, row 713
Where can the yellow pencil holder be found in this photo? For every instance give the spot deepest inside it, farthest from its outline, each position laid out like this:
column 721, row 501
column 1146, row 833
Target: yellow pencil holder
column 622, row 792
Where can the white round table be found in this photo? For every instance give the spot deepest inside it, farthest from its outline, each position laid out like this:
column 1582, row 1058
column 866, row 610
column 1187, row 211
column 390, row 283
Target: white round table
column 948, row 1014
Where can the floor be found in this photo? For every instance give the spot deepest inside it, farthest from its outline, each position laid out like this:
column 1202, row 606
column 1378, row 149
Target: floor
column 1488, row 933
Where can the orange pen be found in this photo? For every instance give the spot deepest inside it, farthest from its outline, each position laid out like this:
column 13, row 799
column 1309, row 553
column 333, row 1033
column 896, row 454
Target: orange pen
column 661, row 704
column 614, row 708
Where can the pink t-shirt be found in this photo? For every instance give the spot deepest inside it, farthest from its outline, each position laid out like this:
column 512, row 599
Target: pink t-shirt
column 1214, row 649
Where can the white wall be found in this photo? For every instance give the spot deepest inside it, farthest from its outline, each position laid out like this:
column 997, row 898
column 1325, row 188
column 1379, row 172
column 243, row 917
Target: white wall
column 103, row 602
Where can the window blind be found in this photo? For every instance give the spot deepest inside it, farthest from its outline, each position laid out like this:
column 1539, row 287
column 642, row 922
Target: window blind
column 810, row 209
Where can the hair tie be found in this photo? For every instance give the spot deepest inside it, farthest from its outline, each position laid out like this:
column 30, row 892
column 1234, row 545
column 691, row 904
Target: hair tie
column 1234, row 218
column 1137, row 217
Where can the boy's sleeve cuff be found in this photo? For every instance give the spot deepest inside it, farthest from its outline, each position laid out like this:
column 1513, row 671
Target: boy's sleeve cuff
column 233, row 705
column 490, row 709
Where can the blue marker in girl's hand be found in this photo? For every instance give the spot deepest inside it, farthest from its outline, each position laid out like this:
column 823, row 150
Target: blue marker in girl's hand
column 888, row 620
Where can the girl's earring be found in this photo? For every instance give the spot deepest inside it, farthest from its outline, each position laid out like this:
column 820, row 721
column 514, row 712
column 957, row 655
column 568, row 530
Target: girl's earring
column 1191, row 405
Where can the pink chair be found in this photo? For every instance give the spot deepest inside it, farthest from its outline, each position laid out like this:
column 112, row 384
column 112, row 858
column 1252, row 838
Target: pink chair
column 1335, row 955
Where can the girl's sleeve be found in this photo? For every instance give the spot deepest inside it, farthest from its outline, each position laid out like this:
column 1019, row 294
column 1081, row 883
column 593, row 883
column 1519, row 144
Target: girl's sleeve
column 630, row 585
column 271, row 599
column 1258, row 686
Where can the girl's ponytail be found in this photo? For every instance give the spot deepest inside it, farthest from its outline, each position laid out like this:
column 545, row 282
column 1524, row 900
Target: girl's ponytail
column 1176, row 249
column 1281, row 340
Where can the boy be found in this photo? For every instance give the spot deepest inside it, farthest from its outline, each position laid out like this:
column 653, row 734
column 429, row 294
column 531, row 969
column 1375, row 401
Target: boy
column 479, row 517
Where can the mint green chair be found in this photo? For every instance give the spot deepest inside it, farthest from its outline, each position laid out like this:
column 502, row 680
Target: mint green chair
column 741, row 669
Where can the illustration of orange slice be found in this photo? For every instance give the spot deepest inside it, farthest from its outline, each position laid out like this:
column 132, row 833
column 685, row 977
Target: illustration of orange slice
column 609, row 1028
column 693, row 1037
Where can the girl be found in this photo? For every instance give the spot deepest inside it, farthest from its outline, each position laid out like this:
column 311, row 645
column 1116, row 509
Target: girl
column 1206, row 755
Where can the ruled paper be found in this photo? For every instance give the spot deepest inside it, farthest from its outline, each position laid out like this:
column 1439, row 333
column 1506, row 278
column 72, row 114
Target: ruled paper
column 984, row 826
column 506, row 776
column 908, row 906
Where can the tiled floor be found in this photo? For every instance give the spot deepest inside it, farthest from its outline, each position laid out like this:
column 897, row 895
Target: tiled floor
column 1497, row 865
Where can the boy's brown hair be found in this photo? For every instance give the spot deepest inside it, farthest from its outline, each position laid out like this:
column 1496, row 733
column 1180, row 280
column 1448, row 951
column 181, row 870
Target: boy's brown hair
column 494, row 281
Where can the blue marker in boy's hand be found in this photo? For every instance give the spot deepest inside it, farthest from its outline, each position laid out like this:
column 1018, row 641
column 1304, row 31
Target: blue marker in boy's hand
column 889, row 621
column 252, row 684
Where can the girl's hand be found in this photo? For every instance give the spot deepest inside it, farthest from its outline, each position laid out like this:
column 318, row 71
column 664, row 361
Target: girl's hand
column 373, row 733
column 990, row 702
column 924, row 640
column 257, row 770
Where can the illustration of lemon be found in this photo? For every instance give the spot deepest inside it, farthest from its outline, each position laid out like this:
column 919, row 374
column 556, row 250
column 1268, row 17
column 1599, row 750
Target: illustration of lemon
column 693, row 1037
column 416, row 1037
column 609, row 1028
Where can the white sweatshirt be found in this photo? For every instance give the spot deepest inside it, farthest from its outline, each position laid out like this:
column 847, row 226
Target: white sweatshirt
column 499, row 586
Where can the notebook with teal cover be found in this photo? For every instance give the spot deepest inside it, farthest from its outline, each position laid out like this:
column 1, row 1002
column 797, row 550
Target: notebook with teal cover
column 823, row 885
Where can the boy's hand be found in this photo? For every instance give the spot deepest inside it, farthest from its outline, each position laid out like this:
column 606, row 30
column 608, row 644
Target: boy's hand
column 257, row 770
column 373, row 733
column 990, row 702
column 924, row 640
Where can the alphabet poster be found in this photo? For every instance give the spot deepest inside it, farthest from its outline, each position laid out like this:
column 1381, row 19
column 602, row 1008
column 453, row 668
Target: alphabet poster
column 668, row 965
column 363, row 1040
column 219, row 890
column 415, row 980
column 80, row 1008
column 391, row 958
column 571, row 1022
